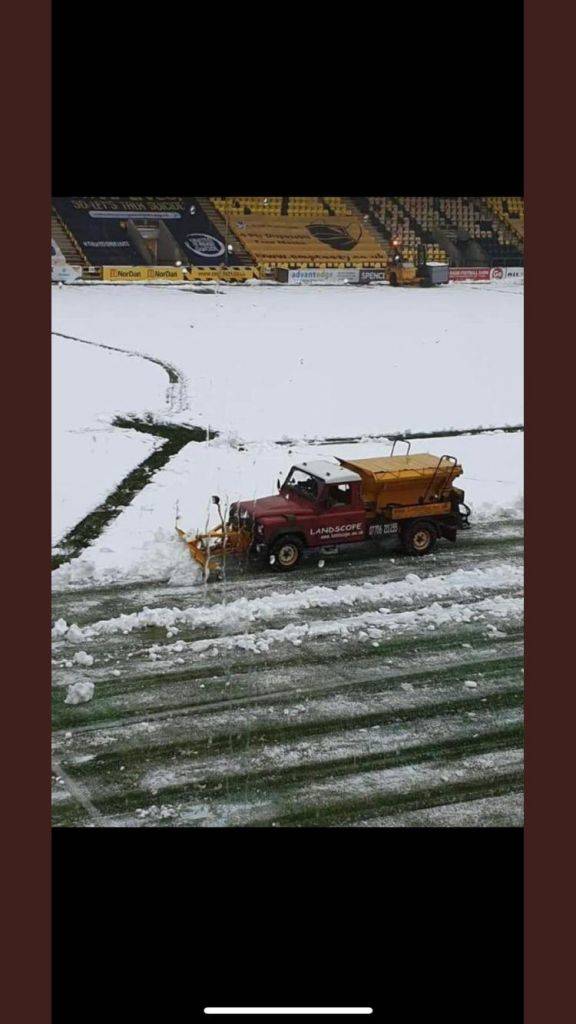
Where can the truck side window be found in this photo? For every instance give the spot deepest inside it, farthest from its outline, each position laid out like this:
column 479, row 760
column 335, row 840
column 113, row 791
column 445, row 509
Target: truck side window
column 339, row 494
column 303, row 484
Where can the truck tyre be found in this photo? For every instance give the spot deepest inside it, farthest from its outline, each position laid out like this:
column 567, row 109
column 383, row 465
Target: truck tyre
column 287, row 552
column 393, row 280
column 419, row 538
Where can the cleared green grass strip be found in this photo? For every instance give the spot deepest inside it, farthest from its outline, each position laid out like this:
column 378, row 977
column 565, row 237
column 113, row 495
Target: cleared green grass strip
column 260, row 736
column 92, row 525
column 348, row 811
column 98, row 713
column 276, row 780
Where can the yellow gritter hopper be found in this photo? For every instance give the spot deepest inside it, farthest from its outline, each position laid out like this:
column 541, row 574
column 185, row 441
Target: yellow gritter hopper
column 405, row 479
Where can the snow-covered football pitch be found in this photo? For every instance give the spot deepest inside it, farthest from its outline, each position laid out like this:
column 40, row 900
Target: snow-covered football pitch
column 383, row 691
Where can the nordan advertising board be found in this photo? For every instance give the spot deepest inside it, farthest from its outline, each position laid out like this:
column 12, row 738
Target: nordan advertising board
column 136, row 275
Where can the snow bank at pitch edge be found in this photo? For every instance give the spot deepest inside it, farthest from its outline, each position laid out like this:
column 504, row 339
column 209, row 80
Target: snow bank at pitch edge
column 244, row 611
column 142, row 544
column 373, row 626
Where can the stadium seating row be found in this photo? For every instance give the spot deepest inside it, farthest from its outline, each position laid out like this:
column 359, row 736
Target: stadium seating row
column 510, row 210
column 495, row 224
column 286, row 206
column 398, row 221
column 341, row 240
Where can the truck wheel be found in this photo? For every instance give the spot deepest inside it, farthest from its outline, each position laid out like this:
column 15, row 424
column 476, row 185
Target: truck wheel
column 287, row 552
column 393, row 280
column 418, row 538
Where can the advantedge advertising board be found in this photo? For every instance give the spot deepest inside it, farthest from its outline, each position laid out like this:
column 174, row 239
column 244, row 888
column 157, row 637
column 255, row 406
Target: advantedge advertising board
column 346, row 275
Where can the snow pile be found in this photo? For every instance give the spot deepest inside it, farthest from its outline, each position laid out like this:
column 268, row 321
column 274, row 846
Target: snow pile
column 376, row 625
column 243, row 612
column 154, row 812
column 82, row 658
column 79, row 693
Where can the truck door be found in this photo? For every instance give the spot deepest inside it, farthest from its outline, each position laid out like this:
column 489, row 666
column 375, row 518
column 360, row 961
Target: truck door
column 341, row 517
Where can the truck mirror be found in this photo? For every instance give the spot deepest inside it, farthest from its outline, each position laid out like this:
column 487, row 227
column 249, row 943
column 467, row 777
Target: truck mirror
column 278, row 484
column 215, row 499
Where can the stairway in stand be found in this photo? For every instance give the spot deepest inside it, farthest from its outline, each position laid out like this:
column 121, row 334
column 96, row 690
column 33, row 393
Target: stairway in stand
column 67, row 243
column 239, row 257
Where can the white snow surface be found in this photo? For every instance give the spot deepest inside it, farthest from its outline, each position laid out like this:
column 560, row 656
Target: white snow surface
column 89, row 456
column 142, row 543
column 267, row 364
column 313, row 362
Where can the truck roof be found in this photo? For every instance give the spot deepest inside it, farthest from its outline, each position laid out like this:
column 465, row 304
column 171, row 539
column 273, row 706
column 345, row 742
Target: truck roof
column 329, row 472
column 398, row 467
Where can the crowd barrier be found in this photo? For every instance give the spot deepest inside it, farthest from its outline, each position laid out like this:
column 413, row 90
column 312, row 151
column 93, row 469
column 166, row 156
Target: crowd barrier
column 301, row 275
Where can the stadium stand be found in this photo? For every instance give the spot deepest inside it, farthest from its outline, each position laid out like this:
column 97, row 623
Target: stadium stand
column 399, row 222
column 284, row 206
column 474, row 217
column 239, row 257
column 462, row 228
column 302, row 231
column 259, row 234
column 102, row 240
column 510, row 210
column 139, row 231
column 67, row 243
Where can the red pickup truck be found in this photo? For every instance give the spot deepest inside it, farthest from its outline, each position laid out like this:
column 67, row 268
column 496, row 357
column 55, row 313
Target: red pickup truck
column 325, row 507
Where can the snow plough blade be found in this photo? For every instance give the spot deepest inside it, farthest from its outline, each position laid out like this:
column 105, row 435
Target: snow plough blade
column 212, row 548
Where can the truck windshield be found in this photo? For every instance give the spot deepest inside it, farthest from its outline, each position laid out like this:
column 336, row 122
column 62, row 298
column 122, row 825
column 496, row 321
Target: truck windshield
column 301, row 483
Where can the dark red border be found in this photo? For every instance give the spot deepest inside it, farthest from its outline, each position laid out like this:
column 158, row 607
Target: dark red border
column 25, row 79
column 550, row 620
column 25, row 916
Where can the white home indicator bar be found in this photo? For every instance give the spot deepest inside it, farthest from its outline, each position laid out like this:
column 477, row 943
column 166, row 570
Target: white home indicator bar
column 288, row 1009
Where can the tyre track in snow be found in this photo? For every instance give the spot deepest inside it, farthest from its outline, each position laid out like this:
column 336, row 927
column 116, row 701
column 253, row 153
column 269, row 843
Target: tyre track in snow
column 177, row 390
column 174, row 436
column 317, row 734
column 84, row 603
column 408, row 435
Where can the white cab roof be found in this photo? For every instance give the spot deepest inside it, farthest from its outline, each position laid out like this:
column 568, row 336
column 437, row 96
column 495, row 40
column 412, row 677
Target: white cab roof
column 330, row 472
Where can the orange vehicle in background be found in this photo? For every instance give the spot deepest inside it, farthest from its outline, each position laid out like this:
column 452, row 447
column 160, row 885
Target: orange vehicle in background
column 400, row 271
